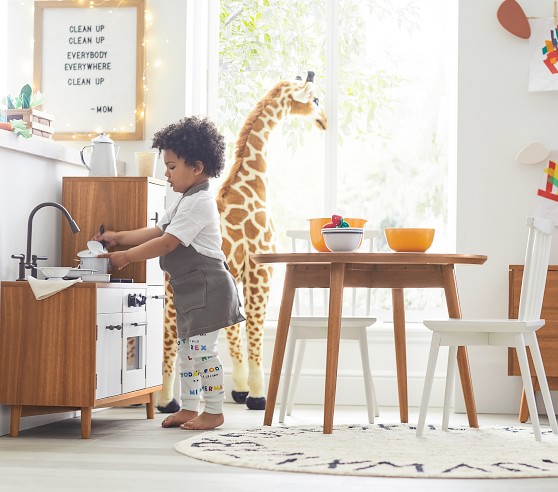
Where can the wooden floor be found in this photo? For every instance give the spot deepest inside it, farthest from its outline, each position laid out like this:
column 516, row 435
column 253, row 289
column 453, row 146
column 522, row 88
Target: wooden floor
column 128, row 453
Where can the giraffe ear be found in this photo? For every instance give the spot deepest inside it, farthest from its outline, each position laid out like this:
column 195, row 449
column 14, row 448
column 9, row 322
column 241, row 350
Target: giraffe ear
column 303, row 95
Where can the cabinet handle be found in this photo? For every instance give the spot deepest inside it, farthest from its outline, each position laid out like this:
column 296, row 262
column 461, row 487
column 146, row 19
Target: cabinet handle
column 142, row 323
column 156, row 218
column 113, row 327
column 164, row 296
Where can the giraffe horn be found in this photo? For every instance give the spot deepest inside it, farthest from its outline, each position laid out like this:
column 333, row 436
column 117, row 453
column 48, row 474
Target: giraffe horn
column 303, row 95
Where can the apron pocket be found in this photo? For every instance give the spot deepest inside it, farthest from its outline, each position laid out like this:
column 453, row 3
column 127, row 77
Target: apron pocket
column 189, row 291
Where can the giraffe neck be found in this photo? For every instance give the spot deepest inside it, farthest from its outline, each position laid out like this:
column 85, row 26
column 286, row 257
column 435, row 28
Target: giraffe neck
column 254, row 152
column 250, row 165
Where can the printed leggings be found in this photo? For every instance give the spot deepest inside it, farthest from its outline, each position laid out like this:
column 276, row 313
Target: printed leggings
column 201, row 372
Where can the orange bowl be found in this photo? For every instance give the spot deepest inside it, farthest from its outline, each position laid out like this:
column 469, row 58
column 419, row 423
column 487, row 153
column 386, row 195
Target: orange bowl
column 316, row 231
column 411, row 240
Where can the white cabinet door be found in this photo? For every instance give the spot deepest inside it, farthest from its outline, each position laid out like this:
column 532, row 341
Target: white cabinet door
column 109, row 355
column 133, row 351
column 155, row 210
column 155, row 320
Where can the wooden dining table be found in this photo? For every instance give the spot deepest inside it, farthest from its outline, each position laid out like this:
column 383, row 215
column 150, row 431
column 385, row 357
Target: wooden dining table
column 395, row 271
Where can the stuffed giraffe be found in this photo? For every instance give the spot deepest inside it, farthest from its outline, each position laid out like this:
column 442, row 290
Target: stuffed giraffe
column 247, row 229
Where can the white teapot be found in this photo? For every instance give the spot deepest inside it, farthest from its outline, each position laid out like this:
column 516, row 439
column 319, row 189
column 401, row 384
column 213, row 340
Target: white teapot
column 103, row 157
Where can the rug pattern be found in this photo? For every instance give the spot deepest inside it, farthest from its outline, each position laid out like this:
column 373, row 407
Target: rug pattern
column 382, row 450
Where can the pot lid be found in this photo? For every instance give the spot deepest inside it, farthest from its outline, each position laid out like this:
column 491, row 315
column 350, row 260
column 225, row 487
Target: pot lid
column 87, row 254
column 102, row 138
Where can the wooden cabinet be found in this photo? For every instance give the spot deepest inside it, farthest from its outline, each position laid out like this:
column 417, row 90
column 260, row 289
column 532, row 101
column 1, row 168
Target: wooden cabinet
column 88, row 346
column 118, row 204
column 547, row 335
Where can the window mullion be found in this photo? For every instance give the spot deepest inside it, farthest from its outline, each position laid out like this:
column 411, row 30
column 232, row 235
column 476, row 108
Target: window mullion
column 332, row 89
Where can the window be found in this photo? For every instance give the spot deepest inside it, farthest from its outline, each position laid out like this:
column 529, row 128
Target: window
column 385, row 73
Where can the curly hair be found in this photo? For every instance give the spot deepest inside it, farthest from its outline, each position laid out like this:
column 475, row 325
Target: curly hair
column 194, row 139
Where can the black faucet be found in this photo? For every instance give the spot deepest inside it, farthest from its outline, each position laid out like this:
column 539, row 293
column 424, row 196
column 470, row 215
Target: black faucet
column 30, row 261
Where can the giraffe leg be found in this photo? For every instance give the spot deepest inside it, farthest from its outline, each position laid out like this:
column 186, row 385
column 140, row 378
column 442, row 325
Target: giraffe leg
column 239, row 368
column 166, row 403
column 256, row 298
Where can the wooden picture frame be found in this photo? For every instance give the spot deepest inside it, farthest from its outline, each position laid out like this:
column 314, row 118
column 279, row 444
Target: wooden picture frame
column 89, row 64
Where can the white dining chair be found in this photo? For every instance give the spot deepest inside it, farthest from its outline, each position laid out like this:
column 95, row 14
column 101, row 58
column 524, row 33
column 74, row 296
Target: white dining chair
column 518, row 333
column 314, row 327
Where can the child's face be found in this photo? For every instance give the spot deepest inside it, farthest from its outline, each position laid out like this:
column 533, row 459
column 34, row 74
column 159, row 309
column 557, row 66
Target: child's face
column 181, row 175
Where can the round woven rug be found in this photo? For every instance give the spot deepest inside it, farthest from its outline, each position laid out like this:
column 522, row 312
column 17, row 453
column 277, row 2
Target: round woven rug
column 382, row 450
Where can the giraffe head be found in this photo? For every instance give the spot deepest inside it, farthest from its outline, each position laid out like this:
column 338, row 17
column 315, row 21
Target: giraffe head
column 304, row 103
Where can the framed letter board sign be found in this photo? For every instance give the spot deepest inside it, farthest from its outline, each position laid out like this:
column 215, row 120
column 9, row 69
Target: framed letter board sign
column 89, row 64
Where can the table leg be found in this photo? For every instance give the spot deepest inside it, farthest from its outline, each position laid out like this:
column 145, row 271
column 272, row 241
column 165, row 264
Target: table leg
column 400, row 351
column 85, row 422
column 150, row 406
column 280, row 341
column 15, row 419
column 336, row 280
column 454, row 311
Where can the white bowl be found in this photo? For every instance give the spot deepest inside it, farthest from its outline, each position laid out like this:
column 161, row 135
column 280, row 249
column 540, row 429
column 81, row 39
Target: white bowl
column 55, row 272
column 343, row 239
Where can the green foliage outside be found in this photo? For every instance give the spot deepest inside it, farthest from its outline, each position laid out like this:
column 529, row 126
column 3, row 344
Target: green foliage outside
column 393, row 111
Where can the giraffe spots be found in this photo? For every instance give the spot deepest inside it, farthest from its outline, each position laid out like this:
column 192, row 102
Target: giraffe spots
column 248, row 193
column 235, row 198
column 258, row 125
column 256, row 142
column 251, row 230
column 238, row 215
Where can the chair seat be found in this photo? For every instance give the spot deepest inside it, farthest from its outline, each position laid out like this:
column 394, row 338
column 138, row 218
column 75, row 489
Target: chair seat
column 484, row 325
column 315, row 327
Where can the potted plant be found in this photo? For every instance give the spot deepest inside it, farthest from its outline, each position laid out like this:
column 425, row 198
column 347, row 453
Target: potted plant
column 26, row 107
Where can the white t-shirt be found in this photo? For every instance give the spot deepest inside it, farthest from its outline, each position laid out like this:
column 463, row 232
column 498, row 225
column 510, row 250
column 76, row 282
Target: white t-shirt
column 195, row 221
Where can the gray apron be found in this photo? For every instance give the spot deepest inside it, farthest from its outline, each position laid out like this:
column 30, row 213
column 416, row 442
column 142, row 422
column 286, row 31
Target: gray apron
column 205, row 293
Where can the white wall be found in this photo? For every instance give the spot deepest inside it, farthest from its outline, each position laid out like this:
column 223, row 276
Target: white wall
column 496, row 118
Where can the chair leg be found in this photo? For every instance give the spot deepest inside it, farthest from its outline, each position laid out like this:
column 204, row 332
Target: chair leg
column 450, row 385
column 527, row 383
column 296, row 375
column 541, row 377
column 367, row 377
column 287, row 374
column 432, row 358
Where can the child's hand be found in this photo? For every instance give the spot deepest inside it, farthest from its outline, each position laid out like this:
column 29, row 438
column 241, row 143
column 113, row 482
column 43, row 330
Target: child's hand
column 117, row 259
column 109, row 237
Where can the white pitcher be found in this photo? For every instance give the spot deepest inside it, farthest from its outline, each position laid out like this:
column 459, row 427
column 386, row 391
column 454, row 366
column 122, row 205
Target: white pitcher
column 103, row 156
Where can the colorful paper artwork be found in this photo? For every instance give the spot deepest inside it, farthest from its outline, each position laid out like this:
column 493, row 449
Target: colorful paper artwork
column 543, row 63
column 546, row 204
column 550, row 190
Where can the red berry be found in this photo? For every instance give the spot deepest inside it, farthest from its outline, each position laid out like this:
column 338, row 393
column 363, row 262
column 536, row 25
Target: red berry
column 329, row 225
column 336, row 219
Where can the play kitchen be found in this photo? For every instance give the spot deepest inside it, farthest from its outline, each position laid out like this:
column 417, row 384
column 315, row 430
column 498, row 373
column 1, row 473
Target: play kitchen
column 100, row 341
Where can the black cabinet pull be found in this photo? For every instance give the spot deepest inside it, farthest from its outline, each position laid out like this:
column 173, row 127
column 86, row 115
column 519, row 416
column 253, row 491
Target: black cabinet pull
column 143, row 323
column 113, row 327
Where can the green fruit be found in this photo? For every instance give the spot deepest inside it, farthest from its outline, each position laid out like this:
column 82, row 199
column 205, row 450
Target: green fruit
column 344, row 224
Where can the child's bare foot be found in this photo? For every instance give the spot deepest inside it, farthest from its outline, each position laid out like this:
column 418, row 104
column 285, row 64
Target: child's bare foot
column 205, row 421
column 179, row 418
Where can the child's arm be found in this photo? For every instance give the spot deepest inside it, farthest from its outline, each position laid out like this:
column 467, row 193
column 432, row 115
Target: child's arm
column 157, row 246
column 128, row 238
